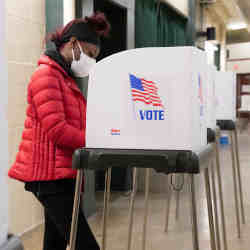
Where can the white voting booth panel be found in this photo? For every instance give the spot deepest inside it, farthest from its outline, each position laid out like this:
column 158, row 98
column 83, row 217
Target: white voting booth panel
column 149, row 98
column 210, row 97
column 3, row 132
column 225, row 91
column 245, row 103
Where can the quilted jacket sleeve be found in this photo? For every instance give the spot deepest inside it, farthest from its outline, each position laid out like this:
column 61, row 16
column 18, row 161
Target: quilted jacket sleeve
column 47, row 98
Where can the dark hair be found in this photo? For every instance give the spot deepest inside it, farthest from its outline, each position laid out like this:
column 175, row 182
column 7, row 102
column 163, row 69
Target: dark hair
column 97, row 23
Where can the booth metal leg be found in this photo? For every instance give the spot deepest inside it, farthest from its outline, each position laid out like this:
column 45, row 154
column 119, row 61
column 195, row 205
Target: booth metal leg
column 216, row 218
column 210, row 210
column 239, row 176
column 106, row 207
column 77, row 199
column 194, row 213
column 177, row 205
column 147, row 183
column 131, row 209
column 235, row 186
column 168, row 204
column 221, row 198
column 178, row 198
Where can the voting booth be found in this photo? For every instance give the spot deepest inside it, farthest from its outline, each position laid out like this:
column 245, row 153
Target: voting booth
column 146, row 109
column 245, row 103
column 225, row 90
column 155, row 101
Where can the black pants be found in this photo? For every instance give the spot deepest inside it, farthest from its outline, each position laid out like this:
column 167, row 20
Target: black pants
column 58, row 210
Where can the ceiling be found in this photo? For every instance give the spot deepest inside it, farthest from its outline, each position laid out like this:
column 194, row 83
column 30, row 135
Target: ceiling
column 245, row 9
column 233, row 12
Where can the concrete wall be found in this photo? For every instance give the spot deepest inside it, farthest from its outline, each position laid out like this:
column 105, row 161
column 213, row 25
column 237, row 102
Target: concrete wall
column 239, row 59
column 3, row 128
column 210, row 21
column 179, row 5
column 25, row 22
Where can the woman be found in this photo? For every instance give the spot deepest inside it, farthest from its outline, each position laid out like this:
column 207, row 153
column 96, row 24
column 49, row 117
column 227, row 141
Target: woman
column 55, row 127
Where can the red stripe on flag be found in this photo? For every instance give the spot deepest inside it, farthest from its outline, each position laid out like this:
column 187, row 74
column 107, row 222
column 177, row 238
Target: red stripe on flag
column 148, row 102
column 147, row 99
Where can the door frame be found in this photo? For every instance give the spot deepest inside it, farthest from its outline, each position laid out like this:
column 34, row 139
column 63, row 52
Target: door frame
column 87, row 7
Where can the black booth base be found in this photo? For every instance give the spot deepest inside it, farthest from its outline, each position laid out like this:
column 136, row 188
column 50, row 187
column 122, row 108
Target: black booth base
column 163, row 161
column 226, row 125
column 13, row 243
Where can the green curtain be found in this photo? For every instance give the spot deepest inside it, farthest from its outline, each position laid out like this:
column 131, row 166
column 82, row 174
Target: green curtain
column 145, row 23
column 54, row 17
column 158, row 25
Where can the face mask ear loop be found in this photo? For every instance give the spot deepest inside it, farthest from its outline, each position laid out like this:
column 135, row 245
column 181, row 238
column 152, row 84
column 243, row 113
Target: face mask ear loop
column 73, row 54
column 79, row 47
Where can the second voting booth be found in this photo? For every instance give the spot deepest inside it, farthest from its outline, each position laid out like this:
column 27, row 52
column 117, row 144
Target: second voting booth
column 147, row 109
column 225, row 92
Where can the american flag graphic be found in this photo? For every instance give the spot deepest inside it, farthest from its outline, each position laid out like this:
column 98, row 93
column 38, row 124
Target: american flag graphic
column 145, row 91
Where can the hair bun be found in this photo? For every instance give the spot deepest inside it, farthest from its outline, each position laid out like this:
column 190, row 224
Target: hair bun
column 99, row 23
column 55, row 37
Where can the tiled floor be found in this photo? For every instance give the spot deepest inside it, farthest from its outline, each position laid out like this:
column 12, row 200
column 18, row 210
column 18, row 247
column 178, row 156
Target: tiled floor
column 179, row 236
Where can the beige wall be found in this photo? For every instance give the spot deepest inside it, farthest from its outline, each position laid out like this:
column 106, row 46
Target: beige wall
column 239, row 60
column 211, row 21
column 25, row 33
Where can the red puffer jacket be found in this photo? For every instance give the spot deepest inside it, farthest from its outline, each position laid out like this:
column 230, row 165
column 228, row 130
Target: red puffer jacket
column 54, row 127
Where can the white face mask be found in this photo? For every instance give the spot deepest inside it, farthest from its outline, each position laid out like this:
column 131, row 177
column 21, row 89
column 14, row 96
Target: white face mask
column 82, row 67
